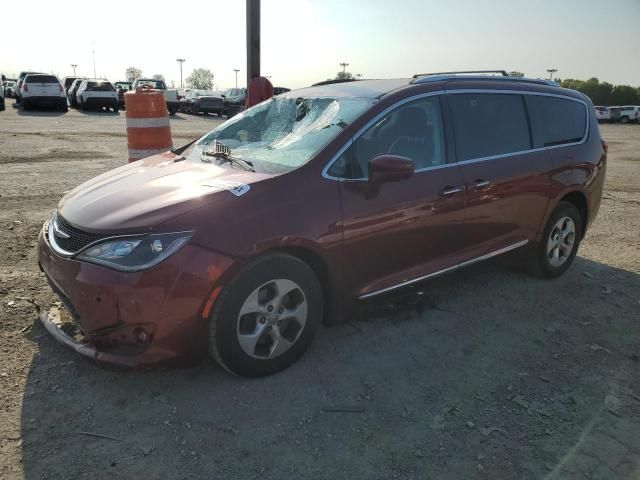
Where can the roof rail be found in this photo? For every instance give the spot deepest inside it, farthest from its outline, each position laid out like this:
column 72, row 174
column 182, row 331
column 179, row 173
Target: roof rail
column 501, row 72
column 440, row 78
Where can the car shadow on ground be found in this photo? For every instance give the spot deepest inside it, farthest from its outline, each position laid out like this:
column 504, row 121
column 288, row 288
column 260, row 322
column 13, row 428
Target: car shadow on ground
column 99, row 113
column 485, row 372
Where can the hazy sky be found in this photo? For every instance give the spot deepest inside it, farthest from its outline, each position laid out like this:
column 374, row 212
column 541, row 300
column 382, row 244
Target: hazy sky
column 303, row 41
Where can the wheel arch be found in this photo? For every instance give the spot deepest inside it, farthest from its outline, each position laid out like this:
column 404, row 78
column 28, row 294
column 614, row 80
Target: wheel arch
column 318, row 265
column 579, row 200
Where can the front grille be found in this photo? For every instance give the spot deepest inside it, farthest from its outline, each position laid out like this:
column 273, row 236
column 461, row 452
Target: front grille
column 77, row 238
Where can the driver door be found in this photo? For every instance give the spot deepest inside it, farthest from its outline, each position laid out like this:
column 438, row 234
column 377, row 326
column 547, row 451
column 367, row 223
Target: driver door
column 397, row 232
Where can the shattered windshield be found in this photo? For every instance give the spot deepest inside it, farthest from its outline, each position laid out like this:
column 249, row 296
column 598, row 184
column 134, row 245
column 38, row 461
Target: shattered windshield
column 282, row 134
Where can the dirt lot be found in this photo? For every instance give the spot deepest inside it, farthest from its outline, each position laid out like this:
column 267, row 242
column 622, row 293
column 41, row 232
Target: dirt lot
column 488, row 373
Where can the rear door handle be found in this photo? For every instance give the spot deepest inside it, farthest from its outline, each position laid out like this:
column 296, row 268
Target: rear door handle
column 482, row 183
column 446, row 191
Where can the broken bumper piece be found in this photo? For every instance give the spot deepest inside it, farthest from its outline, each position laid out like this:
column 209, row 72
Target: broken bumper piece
column 63, row 332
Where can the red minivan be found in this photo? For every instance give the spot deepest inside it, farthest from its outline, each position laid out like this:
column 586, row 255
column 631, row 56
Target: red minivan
column 282, row 217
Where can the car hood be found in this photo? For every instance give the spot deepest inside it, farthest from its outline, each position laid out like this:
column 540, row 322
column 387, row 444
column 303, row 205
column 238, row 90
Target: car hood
column 144, row 194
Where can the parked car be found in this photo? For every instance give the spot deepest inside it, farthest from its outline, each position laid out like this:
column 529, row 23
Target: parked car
column 629, row 113
column 10, row 88
column 19, row 85
column 205, row 101
column 614, row 112
column 279, row 219
column 72, row 90
column 279, row 90
column 67, row 82
column 234, row 99
column 43, row 90
column 170, row 94
column 97, row 93
column 122, row 88
column 602, row 114
column 2, row 105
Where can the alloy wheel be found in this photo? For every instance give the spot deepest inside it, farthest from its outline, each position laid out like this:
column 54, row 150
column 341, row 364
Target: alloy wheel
column 561, row 241
column 272, row 319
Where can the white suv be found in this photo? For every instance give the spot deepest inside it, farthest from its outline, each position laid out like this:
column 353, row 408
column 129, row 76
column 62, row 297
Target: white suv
column 43, row 90
column 629, row 113
column 97, row 93
column 602, row 114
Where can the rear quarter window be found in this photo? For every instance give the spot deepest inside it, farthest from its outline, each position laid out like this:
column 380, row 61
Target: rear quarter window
column 487, row 124
column 556, row 121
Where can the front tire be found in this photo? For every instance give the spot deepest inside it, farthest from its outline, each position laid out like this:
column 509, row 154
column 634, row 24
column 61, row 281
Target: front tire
column 562, row 235
column 266, row 317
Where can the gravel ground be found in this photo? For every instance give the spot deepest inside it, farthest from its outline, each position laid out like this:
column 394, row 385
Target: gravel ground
column 488, row 373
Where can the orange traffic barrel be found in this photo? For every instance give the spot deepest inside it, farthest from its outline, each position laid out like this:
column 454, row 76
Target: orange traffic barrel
column 148, row 128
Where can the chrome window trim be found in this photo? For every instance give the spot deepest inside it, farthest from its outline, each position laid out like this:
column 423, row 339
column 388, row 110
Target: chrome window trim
column 467, row 263
column 325, row 170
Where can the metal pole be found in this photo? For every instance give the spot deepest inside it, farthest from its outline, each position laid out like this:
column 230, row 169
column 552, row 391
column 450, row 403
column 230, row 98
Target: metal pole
column 74, row 65
column 93, row 51
column 236, row 70
column 253, row 39
column 551, row 71
column 344, row 66
column 180, row 61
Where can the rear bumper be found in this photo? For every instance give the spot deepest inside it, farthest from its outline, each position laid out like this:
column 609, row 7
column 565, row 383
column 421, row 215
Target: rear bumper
column 112, row 310
column 100, row 102
column 45, row 101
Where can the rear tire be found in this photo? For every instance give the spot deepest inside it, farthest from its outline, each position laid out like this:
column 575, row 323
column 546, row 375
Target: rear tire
column 624, row 120
column 282, row 303
column 561, row 238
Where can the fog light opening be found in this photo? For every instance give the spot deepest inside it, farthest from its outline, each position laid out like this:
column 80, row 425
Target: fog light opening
column 141, row 335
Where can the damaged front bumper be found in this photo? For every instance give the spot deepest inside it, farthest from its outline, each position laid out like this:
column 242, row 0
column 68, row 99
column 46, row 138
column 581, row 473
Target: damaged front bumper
column 147, row 319
column 55, row 325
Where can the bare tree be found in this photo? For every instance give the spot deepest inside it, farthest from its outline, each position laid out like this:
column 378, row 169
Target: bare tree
column 201, row 79
column 132, row 73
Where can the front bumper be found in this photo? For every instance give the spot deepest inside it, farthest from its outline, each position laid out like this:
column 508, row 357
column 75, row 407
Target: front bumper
column 112, row 308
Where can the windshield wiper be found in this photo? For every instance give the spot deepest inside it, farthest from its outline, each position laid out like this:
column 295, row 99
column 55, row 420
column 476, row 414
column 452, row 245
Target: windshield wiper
column 180, row 150
column 222, row 152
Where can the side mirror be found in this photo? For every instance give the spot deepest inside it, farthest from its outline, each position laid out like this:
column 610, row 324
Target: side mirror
column 390, row 168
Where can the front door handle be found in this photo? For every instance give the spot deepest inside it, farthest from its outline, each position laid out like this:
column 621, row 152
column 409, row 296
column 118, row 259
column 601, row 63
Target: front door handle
column 446, row 191
column 482, row 183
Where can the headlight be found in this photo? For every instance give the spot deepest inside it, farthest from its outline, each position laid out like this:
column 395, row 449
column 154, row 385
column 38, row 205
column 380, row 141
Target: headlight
column 131, row 254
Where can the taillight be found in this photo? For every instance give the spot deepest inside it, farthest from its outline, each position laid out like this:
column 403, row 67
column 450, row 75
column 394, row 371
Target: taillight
column 61, row 89
column 605, row 146
column 25, row 88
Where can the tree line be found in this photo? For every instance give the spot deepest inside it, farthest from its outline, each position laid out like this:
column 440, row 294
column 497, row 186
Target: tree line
column 604, row 93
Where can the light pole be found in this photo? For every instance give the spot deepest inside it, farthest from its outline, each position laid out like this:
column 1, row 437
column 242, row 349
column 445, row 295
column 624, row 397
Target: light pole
column 236, row 70
column 551, row 71
column 93, row 53
column 180, row 61
column 74, row 65
column 344, row 66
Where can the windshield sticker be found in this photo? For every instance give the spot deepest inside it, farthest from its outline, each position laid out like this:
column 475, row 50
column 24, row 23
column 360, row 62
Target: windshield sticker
column 236, row 188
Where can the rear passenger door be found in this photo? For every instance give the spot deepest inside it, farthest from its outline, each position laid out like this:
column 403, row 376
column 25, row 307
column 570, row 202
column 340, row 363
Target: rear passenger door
column 507, row 181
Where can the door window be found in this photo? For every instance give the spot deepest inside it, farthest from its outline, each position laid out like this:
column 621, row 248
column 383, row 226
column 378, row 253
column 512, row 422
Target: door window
column 487, row 124
column 414, row 130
